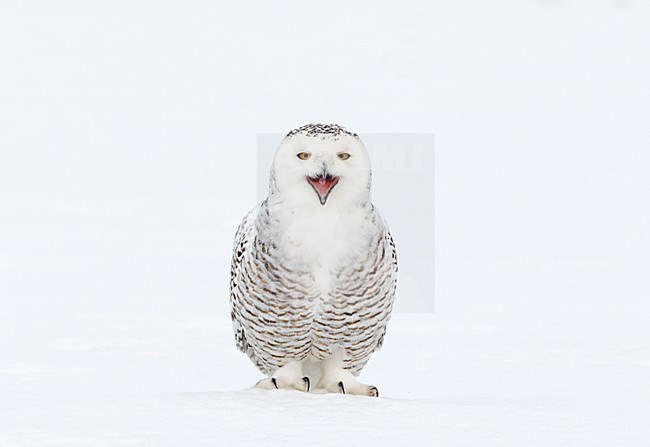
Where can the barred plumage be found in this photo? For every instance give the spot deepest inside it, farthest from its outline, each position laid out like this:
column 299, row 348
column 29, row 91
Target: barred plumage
column 310, row 279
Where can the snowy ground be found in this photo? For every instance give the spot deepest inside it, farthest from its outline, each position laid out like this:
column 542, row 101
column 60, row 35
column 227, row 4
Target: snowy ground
column 127, row 158
column 456, row 378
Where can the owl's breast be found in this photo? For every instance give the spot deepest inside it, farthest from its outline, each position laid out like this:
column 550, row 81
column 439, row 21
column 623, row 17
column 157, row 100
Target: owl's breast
column 326, row 240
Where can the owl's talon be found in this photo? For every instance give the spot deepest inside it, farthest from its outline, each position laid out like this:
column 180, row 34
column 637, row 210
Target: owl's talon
column 307, row 383
column 274, row 382
column 340, row 380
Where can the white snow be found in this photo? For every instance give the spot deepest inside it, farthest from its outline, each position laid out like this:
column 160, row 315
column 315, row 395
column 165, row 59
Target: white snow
column 127, row 158
column 455, row 378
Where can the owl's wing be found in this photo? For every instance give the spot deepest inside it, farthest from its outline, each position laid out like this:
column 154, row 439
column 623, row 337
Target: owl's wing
column 362, row 302
column 243, row 242
column 390, row 291
column 269, row 301
column 393, row 251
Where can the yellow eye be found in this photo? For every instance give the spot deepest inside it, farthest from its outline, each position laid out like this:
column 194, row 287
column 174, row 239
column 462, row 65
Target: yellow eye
column 304, row 155
column 344, row 155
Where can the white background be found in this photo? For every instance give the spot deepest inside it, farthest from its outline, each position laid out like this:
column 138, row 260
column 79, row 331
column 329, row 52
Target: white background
column 127, row 158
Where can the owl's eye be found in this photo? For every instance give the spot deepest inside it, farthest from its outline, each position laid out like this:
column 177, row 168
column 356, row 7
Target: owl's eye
column 343, row 155
column 304, row 155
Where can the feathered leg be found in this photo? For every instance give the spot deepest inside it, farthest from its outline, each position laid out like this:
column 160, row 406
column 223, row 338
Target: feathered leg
column 336, row 379
column 289, row 376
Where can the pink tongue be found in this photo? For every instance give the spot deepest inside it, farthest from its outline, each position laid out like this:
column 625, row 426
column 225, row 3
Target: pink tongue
column 323, row 186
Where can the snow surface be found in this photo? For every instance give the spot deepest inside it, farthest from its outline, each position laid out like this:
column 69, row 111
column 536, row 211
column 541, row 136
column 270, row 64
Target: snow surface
column 452, row 378
column 127, row 146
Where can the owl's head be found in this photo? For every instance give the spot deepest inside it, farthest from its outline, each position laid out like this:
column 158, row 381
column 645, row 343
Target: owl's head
column 321, row 163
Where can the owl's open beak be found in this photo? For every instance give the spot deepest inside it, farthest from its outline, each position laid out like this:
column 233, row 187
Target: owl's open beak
column 323, row 185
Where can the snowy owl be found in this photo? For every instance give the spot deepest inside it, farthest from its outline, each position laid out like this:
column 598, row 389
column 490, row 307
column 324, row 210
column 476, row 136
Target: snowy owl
column 314, row 267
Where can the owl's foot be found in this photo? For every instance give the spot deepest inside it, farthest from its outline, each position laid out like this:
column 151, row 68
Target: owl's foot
column 359, row 389
column 290, row 376
column 339, row 380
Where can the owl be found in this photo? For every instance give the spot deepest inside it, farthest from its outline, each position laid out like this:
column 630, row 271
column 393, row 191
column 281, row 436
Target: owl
column 314, row 267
